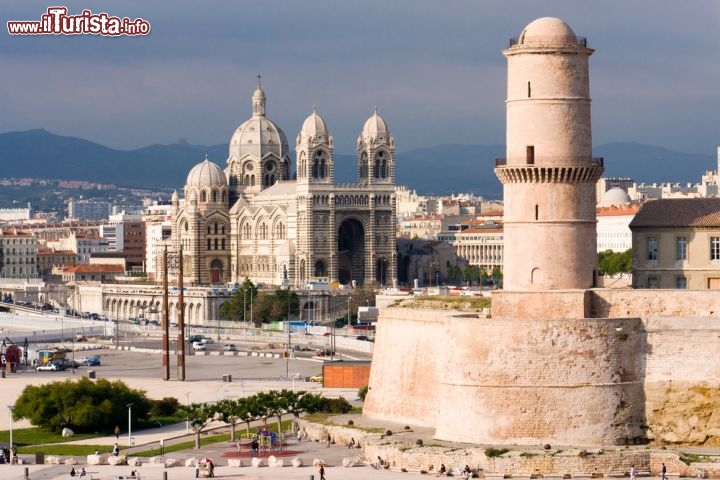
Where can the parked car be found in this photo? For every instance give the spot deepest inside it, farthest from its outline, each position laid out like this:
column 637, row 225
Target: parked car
column 206, row 340
column 199, row 346
column 317, row 378
column 194, row 338
column 54, row 366
column 93, row 361
column 229, row 347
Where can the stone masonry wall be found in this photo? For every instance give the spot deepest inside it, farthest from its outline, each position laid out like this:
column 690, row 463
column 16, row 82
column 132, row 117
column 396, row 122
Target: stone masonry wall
column 573, row 382
column 578, row 381
column 406, row 366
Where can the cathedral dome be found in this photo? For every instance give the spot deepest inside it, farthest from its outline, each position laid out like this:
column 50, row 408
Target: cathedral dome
column 206, row 174
column 375, row 127
column 547, row 30
column 615, row 196
column 314, row 128
column 258, row 136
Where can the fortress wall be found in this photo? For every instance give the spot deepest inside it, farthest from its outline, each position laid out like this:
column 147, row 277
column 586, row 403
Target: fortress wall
column 594, row 381
column 407, row 366
column 647, row 303
column 538, row 381
column 681, row 361
column 541, row 304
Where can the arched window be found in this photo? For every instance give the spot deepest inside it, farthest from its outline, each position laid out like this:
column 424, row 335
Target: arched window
column 363, row 166
column 203, row 196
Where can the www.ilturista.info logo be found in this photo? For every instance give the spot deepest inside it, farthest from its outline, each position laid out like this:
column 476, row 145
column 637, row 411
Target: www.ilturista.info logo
column 57, row 22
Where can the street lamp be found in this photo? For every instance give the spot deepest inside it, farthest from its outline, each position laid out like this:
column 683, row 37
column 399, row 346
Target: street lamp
column 287, row 356
column 11, row 408
column 129, row 405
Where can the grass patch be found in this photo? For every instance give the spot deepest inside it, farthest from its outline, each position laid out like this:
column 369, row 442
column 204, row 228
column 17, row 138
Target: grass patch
column 324, row 419
column 40, row 436
column 63, row 449
column 688, row 458
column 446, row 302
column 495, row 452
column 528, row 454
column 189, row 445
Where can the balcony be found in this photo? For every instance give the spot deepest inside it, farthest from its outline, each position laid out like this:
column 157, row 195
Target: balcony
column 550, row 162
column 549, row 41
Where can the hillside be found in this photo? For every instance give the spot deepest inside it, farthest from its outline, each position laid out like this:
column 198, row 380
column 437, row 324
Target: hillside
column 441, row 169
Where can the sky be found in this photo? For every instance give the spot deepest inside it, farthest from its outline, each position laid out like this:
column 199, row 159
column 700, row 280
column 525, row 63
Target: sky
column 433, row 68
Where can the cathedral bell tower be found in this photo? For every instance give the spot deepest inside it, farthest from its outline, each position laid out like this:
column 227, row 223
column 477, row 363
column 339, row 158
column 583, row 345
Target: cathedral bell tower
column 549, row 174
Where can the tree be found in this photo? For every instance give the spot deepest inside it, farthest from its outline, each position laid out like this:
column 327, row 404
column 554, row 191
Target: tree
column 249, row 410
column 471, row 274
column 264, row 404
column 229, row 411
column 611, row 263
column 273, row 306
column 276, row 406
column 497, row 275
column 238, row 306
column 84, row 405
column 293, row 402
column 198, row 415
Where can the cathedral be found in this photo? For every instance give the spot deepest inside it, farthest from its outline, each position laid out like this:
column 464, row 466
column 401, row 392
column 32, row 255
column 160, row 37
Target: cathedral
column 254, row 219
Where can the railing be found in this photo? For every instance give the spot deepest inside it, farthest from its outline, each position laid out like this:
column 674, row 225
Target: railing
column 550, row 162
column 549, row 40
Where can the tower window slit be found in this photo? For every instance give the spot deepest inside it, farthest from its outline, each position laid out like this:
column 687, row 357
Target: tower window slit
column 529, row 90
column 537, row 211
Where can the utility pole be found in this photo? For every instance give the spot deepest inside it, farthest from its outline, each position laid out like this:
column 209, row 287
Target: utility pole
column 287, row 357
column 181, row 320
column 166, row 320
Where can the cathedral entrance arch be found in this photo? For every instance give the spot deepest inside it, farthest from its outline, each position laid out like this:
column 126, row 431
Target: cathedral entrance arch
column 320, row 270
column 381, row 271
column 351, row 252
column 216, row 268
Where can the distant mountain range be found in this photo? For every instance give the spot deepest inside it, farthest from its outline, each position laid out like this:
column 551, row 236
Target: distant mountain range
column 442, row 169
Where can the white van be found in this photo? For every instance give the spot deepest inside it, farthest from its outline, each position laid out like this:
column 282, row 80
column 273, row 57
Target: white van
column 198, row 346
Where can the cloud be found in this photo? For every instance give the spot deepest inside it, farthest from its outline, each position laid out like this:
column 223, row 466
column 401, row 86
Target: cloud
column 434, row 69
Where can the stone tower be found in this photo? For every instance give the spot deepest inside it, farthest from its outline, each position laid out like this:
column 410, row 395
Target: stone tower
column 549, row 174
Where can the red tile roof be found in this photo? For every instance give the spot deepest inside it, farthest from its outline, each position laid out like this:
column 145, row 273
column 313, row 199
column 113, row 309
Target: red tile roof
column 678, row 212
column 95, row 268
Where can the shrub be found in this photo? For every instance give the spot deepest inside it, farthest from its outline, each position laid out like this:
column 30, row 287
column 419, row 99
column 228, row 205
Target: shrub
column 82, row 405
column 547, row 446
column 362, row 392
column 164, row 407
column 335, row 405
column 350, row 422
column 419, row 442
column 388, row 433
column 495, row 452
column 406, row 427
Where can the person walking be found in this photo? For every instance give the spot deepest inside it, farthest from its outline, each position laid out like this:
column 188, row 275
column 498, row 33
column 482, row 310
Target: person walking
column 322, row 472
column 633, row 473
column 663, row 472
